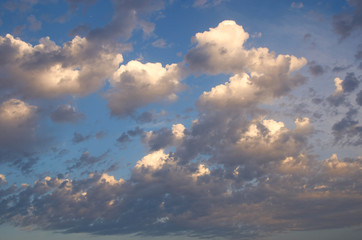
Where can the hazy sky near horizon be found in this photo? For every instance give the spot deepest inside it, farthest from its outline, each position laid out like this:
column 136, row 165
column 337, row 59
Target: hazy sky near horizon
column 171, row 119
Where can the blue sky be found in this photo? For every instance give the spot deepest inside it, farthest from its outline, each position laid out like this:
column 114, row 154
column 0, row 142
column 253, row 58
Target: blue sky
column 172, row 119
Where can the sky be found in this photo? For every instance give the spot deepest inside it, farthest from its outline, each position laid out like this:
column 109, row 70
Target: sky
column 172, row 119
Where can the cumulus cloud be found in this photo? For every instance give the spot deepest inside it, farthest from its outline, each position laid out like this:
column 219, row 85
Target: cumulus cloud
column 164, row 137
column 47, row 70
column 136, row 84
column 260, row 75
column 17, row 123
column 163, row 197
column 66, row 113
column 221, row 50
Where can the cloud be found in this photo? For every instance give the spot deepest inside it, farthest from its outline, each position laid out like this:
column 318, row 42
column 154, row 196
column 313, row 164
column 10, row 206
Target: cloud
column 48, row 70
column 343, row 89
column 347, row 22
column 136, row 84
column 359, row 98
column 128, row 16
column 86, row 160
column 77, row 138
column 350, row 82
column 206, row 3
column 348, row 130
column 66, row 114
column 34, row 24
column 164, row 137
column 316, row 69
column 17, row 122
column 159, row 43
column 258, row 72
column 80, row 30
column 297, row 5
column 3, row 179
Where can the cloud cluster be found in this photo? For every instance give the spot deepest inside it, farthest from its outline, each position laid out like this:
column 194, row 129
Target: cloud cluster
column 47, row 70
column 235, row 172
column 259, row 75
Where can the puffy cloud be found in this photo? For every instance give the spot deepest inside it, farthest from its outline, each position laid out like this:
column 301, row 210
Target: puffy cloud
column 66, row 113
column 48, row 70
column 17, row 123
column 136, row 84
column 154, row 160
column 164, row 137
column 260, row 75
column 221, row 50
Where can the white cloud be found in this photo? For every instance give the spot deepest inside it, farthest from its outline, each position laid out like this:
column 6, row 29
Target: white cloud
column 259, row 75
column 153, row 161
column 136, row 84
column 47, row 70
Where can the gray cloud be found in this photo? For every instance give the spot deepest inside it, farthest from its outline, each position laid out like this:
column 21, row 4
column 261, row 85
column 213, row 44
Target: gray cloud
column 347, row 22
column 80, row 30
column 66, row 113
column 316, row 69
column 348, row 130
column 86, row 160
column 359, row 98
column 127, row 17
column 350, row 82
column 78, row 137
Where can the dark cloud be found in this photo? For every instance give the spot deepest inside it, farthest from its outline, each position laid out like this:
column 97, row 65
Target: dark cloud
column 315, row 69
column 341, row 68
column 78, row 137
column 350, row 82
column 172, row 199
column 336, row 99
column 86, row 160
column 127, row 17
column 307, row 36
column 66, row 114
column 124, row 138
column 348, row 131
column 80, row 30
column 359, row 98
column 347, row 22
column 145, row 117
column 136, row 132
column 159, row 139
